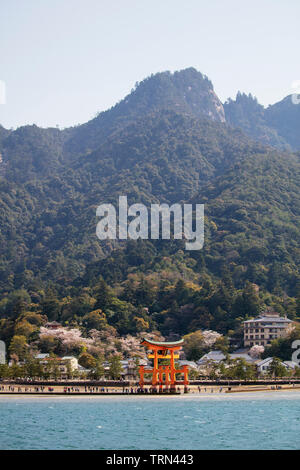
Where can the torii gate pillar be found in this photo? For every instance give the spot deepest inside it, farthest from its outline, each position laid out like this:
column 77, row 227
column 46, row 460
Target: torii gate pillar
column 164, row 374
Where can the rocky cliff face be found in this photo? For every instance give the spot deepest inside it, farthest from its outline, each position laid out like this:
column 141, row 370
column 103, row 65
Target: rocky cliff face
column 186, row 91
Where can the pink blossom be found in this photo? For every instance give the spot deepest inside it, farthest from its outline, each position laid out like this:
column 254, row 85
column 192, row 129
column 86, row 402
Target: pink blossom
column 256, row 351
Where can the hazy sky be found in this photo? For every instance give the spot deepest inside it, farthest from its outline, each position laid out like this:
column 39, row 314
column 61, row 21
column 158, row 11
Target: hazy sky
column 62, row 61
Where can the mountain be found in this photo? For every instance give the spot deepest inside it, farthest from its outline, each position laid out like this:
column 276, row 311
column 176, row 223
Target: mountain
column 278, row 125
column 252, row 229
column 163, row 157
column 34, row 152
column 284, row 117
column 167, row 154
column 186, row 92
column 3, row 133
column 165, row 142
column 37, row 152
column 31, row 151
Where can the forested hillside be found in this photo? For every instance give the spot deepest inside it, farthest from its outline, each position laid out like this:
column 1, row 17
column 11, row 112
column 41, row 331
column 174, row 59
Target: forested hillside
column 166, row 142
column 277, row 125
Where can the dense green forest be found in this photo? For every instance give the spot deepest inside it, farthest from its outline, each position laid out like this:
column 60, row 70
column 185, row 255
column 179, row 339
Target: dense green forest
column 166, row 142
column 277, row 125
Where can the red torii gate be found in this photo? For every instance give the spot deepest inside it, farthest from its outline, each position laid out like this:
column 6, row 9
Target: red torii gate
column 163, row 374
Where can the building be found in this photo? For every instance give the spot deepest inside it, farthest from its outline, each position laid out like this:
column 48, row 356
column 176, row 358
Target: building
column 266, row 327
column 217, row 357
column 65, row 364
column 290, row 365
column 212, row 356
column 69, row 361
column 264, row 365
column 82, row 370
column 129, row 368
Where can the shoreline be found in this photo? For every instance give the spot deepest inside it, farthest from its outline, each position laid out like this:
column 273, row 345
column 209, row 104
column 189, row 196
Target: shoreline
column 213, row 390
column 261, row 394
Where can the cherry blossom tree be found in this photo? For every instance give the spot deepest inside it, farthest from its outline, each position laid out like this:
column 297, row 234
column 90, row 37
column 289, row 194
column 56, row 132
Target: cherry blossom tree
column 256, row 351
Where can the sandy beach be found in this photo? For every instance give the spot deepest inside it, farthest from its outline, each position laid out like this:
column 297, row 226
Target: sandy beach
column 81, row 391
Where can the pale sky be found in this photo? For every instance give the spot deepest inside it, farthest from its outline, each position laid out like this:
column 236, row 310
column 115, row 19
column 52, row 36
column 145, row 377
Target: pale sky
column 62, row 61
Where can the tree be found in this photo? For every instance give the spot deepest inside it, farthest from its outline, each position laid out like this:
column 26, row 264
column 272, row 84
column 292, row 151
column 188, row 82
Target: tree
column 24, row 328
column 222, row 344
column 144, row 293
column 256, row 351
column 6, row 329
column 55, row 370
column 141, row 324
column 196, row 343
column 69, row 370
column 17, row 303
column 222, row 369
column 33, row 367
column 276, row 368
column 248, row 302
column 16, row 371
column 98, row 371
column 193, row 345
column 51, row 306
column 115, row 367
column 193, row 374
column 297, row 372
column 103, row 296
column 212, row 369
column 46, row 373
column 87, row 361
column 95, row 320
column 298, row 301
column 48, row 344
column 136, row 360
column 34, row 318
column 18, row 346
column 4, row 371
column 227, row 279
column 241, row 370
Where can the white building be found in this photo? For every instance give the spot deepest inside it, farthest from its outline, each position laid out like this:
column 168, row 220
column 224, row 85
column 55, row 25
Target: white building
column 213, row 356
column 218, row 356
column 266, row 327
column 264, row 365
column 73, row 361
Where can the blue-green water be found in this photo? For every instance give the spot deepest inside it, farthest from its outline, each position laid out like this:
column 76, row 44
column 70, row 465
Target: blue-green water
column 247, row 421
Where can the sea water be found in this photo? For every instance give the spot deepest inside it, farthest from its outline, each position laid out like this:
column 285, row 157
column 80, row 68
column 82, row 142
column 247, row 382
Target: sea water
column 218, row 421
